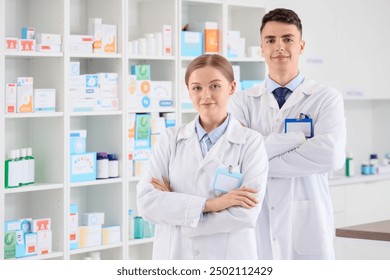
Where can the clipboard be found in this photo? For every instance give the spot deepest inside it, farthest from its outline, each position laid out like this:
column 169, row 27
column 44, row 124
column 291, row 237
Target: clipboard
column 302, row 124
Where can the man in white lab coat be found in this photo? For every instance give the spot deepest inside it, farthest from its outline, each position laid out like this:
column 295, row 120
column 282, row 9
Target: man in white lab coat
column 296, row 220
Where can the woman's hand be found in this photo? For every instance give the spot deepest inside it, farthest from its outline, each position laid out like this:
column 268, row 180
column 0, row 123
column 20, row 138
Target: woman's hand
column 162, row 186
column 243, row 197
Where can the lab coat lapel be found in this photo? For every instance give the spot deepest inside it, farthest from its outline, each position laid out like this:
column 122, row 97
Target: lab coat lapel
column 234, row 134
column 190, row 137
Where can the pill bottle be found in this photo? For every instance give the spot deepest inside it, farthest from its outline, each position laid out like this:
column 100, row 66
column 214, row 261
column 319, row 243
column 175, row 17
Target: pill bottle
column 349, row 165
column 102, row 166
column 113, row 166
column 373, row 164
column 365, row 169
column 138, row 227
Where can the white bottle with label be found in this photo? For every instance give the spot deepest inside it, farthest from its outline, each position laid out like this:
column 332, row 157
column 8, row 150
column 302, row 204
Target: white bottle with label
column 11, row 170
column 31, row 166
column 24, row 166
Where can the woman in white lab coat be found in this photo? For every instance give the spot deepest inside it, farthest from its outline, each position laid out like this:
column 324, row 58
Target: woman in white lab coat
column 193, row 220
column 296, row 221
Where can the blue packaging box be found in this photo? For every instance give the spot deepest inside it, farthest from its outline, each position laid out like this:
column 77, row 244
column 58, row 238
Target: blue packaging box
column 83, row 167
column 78, row 141
column 191, row 43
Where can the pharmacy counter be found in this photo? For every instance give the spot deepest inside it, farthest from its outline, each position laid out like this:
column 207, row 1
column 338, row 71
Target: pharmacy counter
column 373, row 231
column 365, row 241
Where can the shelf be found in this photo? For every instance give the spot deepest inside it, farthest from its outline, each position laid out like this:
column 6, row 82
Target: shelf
column 34, row 115
column 96, row 182
column 95, row 248
column 95, row 55
column 43, row 257
column 34, row 187
column 95, row 113
column 134, row 242
column 9, row 54
column 342, row 180
column 170, row 110
column 151, row 57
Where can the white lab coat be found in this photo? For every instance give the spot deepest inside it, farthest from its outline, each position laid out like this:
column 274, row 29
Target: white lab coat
column 181, row 230
column 296, row 221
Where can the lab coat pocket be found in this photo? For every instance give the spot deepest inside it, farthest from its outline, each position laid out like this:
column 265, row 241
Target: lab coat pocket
column 310, row 234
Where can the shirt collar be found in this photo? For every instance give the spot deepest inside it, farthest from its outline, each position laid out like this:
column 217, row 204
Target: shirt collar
column 292, row 85
column 215, row 134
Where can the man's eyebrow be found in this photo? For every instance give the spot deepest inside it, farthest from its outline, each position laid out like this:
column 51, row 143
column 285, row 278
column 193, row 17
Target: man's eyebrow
column 283, row 36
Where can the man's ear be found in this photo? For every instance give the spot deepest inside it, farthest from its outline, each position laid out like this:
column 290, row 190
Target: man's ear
column 302, row 46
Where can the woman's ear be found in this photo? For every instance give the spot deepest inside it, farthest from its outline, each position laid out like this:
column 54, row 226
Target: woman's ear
column 233, row 87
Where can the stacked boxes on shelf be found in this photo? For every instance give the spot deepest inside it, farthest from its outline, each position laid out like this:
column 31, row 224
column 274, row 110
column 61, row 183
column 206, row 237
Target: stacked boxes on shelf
column 90, row 231
column 145, row 94
column 20, row 97
column 93, row 92
column 143, row 132
column 27, row 237
column 30, row 42
column 82, row 163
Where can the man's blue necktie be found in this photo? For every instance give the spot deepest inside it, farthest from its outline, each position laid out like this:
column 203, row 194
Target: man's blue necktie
column 280, row 95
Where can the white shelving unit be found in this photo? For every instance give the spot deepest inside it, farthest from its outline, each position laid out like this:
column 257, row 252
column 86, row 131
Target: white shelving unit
column 47, row 133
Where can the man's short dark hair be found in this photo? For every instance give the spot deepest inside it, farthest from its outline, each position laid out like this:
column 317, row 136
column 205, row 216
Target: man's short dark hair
column 284, row 16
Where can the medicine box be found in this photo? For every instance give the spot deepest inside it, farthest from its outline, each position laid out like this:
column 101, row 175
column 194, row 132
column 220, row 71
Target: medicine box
column 41, row 225
column 26, row 45
column 167, row 39
column 109, row 38
column 30, row 240
column 83, row 167
column 106, row 104
column 24, row 103
column 161, row 94
column 28, row 33
column 73, row 227
column 82, row 104
column 11, row 44
column 20, row 245
column 49, row 38
column 9, row 244
column 90, row 236
column 44, row 242
column 48, row 48
column 210, row 35
column 111, row 235
column 45, row 100
column 142, row 131
column 10, row 98
column 191, row 43
column 90, row 219
column 141, row 72
column 78, row 141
